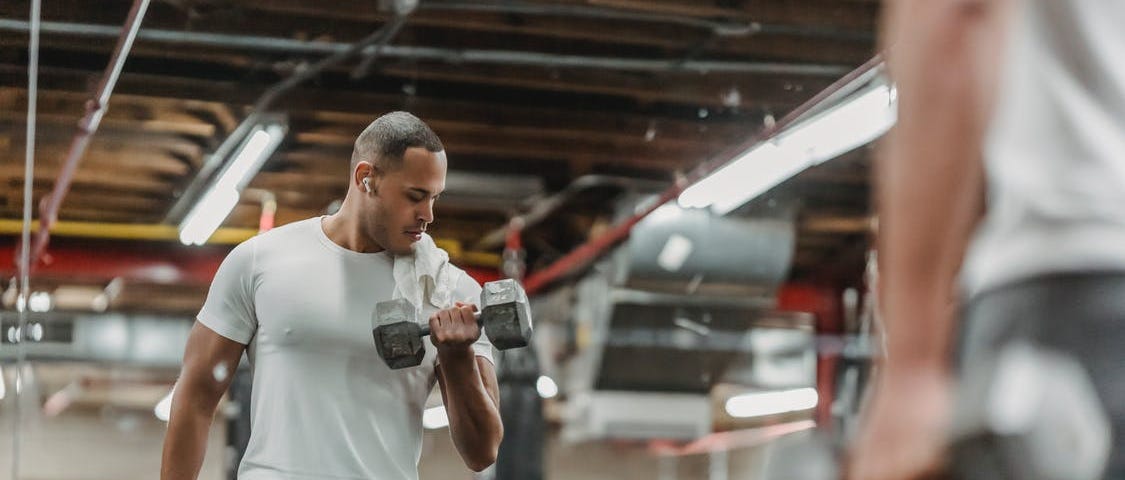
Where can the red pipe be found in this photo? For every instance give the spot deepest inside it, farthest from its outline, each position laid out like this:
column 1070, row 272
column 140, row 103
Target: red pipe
column 592, row 249
column 95, row 109
column 729, row 440
column 823, row 302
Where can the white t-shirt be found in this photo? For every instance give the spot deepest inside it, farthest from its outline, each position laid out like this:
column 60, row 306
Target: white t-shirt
column 1055, row 154
column 324, row 405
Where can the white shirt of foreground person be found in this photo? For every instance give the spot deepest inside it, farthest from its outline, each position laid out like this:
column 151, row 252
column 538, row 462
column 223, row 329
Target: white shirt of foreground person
column 323, row 405
column 1055, row 154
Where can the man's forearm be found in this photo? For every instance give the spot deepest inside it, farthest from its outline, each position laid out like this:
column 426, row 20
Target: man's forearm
column 474, row 415
column 931, row 178
column 185, row 444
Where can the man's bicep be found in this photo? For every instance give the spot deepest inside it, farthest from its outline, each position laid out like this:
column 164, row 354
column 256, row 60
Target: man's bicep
column 210, row 360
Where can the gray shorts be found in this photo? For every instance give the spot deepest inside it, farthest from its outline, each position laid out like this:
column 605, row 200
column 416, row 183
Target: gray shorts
column 1082, row 315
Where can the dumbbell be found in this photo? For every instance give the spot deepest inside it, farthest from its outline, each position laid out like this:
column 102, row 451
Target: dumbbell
column 504, row 315
column 1031, row 414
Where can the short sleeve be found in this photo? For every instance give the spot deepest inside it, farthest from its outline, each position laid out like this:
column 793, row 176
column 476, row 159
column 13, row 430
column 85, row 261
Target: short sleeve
column 229, row 308
column 468, row 291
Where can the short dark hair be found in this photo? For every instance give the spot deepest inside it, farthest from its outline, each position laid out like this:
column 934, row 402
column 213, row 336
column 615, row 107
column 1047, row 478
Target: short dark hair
column 385, row 140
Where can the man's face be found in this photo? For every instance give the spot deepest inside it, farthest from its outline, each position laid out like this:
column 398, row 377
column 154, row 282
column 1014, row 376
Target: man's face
column 404, row 200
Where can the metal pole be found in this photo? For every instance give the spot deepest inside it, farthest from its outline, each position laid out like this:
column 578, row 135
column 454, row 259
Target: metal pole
column 720, row 28
column 667, row 467
column 24, row 263
column 718, row 468
column 95, row 110
column 453, row 56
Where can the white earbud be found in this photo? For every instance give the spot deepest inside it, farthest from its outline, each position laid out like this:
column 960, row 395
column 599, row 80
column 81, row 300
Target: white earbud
column 367, row 184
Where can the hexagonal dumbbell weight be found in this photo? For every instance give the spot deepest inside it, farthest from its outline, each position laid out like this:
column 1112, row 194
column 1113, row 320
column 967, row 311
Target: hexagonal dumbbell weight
column 504, row 315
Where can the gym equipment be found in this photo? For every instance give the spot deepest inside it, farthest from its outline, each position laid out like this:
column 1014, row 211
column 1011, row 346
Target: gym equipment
column 504, row 316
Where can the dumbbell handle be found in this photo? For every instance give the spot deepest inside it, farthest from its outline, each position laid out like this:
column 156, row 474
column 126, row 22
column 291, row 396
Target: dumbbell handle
column 426, row 328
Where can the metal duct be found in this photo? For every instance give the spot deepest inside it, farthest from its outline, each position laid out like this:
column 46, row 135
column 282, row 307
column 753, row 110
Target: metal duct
column 687, row 297
column 144, row 341
column 690, row 251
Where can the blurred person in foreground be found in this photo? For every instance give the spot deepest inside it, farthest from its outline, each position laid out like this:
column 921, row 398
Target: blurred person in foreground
column 1001, row 196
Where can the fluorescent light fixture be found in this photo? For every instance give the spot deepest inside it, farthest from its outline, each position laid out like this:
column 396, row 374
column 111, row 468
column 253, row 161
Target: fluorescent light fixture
column 854, row 123
column 546, row 387
column 223, row 195
column 3, row 384
column 434, row 418
column 771, row 403
column 163, row 409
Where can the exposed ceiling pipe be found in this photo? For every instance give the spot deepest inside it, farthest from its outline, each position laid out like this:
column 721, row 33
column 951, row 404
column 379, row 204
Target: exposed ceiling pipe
column 95, row 110
column 587, row 252
column 543, row 208
column 581, row 257
column 269, row 207
column 453, row 56
column 730, row 440
column 720, row 28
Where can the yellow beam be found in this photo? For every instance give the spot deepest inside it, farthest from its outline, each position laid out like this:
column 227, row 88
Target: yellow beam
column 126, row 231
column 222, row 236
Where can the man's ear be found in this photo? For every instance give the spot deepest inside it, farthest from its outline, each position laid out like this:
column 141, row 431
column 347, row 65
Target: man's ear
column 368, row 176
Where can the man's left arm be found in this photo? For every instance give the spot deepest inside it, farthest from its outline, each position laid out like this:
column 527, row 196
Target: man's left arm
column 945, row 59
column 469, row 388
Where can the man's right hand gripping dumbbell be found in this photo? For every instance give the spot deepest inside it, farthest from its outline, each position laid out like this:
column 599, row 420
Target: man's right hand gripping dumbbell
column 504, row 315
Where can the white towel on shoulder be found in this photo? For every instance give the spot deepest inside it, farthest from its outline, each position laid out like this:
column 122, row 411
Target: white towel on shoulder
column 426, row 276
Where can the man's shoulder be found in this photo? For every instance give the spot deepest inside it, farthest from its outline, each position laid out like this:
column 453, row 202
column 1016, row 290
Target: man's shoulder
column 276, row 242
column 283, row 236
column 288, row 231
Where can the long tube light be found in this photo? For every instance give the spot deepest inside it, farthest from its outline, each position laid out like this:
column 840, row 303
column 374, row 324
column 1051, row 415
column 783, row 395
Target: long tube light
column 214, row 207
column 855, row 122
column 771, row 403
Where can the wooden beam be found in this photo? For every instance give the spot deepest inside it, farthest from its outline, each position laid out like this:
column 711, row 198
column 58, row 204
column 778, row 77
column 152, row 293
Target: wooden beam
column 111, row 137
column 753, row 92
column 155, row 126
column 12, row 174
column 100, row 200
column 538, row 148
column 124, row 161
column 343, row 123
column 172, row 115
column 356, row 102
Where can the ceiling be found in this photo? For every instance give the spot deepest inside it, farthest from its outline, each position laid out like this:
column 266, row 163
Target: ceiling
column 527, row 96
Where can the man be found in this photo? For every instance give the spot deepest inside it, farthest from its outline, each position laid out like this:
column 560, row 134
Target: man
column 1026, row 97
column 299, row 300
